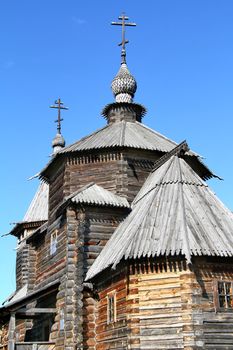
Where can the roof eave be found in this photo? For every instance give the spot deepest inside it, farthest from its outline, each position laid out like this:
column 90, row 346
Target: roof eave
column 44, row 175
column 30, row 296
column 20, row 226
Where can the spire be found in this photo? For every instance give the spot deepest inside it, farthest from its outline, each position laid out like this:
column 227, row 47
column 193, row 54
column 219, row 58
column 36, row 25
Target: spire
column 123, row 87
column 58, row 141
column 124, row 84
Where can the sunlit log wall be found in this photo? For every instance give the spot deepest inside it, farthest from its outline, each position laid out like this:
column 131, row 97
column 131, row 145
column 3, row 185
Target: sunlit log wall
column 164, row 304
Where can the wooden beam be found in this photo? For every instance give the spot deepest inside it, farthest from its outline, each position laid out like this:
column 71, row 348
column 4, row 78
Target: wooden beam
column 11, row 336
column 38, row 310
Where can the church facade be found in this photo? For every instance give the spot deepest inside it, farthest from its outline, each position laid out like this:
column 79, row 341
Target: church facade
column 124, row 246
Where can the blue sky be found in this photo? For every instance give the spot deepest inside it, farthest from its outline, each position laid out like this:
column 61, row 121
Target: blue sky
column 181, row 53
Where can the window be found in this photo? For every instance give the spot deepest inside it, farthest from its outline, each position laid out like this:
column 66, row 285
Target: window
column 225, row 294
column 53, row 243
column 62, row 320
column 111, row 307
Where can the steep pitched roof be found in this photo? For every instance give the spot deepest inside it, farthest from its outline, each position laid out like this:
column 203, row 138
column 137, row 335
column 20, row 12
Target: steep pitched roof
column 37, row 212
column 38, row 209
column 174, row 213
column 94, row 194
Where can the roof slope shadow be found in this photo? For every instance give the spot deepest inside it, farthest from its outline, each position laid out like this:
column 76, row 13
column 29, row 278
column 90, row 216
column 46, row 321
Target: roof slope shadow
column 175, row 212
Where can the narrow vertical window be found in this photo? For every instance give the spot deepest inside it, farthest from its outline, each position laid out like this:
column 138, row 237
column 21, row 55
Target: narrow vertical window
column 53, row 243
column 62, row 320
column 225, row 295
column 111, row 308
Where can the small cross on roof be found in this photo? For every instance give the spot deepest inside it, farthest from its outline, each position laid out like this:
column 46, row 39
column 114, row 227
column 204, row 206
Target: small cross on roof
column 58, row 104
column 123, row 24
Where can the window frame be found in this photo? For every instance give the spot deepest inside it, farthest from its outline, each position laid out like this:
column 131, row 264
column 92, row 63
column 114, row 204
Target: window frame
column 217, row 296
column 111, row 307
column 53, row 242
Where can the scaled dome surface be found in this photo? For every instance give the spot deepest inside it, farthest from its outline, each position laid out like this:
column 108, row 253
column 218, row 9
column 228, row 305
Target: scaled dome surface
column 124, row 85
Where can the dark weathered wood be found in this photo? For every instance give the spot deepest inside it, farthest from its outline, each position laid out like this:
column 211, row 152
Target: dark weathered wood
column 11, row 336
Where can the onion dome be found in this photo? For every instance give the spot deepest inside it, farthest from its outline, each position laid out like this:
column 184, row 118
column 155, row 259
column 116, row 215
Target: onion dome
column 124, row 85
column 58, row 143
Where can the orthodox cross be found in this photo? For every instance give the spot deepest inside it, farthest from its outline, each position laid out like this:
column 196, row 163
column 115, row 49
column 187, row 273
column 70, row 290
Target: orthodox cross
column 59, row 105
column 123, row 24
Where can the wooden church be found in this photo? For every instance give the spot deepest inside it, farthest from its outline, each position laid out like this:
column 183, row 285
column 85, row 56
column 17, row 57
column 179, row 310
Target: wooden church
column 124, row 246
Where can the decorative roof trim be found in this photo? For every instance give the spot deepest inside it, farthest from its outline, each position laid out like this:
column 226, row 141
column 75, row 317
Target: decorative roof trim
column 136, row 107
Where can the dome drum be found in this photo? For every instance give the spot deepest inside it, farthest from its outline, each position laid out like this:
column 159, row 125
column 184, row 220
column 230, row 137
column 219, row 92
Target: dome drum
column 116, row 112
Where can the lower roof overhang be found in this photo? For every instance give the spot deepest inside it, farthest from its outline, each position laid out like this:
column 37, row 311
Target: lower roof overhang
column 16, row 306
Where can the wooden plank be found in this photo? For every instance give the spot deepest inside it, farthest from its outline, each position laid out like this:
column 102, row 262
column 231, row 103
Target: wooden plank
column 37, row 311
column 11, row 336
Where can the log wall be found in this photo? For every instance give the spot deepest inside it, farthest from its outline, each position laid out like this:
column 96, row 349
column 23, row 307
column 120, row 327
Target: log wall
column 56, row 191
column 50, row 267
column 22, row 263
column 157, row 318
column 217, row 323
column 120, row 172
column 112, row 335
column 100, row 225
column 168, row 305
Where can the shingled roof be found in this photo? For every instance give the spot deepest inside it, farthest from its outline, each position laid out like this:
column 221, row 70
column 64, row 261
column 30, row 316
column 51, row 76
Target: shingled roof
column 93, row 194
column 38, row 209
column 128, row 135
column 37, row 212
column 125, row 134
column 174, row 213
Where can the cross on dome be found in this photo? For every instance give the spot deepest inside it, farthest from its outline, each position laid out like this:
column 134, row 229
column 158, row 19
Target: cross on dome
column 58, row 141
column 59, row 105
column 123, row 24
column 124, row 84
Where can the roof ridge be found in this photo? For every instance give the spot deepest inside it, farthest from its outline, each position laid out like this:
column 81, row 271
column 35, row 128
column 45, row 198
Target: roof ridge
column 186, row 250
column 181, row 148
column 151, row 189
column 122, row 135
column 176, row 151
